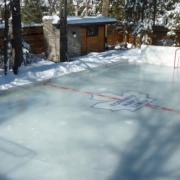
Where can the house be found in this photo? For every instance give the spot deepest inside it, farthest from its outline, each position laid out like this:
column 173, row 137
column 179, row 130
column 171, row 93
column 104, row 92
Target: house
column 84, row 34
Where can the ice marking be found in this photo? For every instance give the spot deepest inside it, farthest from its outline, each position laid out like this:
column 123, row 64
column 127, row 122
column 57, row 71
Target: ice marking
column 15, row 149
column 107, row 96
column 127, row 101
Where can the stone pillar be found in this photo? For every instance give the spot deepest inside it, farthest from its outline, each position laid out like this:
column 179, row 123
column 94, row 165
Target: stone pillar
column 51, row 36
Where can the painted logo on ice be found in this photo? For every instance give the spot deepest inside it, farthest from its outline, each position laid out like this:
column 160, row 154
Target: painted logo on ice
column 130, row 100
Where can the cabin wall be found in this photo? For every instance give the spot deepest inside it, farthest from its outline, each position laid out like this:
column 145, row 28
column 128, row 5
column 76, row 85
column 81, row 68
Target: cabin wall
column 115, row 38
column 33, row 35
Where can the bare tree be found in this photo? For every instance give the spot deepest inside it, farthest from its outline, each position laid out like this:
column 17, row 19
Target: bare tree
column 52, row 6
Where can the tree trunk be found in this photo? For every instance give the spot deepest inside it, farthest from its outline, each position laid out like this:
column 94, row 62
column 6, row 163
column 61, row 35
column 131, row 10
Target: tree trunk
column 105, row 8
column 6, row 38
column 17, row 38
column 63, row 31
column 154, row 14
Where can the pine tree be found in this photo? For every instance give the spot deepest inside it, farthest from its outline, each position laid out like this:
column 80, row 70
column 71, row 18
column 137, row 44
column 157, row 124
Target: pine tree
column 172, row 17
column 116, row 9
column 32, row 12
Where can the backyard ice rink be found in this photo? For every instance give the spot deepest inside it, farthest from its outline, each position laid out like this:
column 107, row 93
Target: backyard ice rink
column 116, row 122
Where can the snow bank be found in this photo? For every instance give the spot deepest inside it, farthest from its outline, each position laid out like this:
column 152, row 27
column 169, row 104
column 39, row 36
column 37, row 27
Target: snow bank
column 44, row 69
column 160, row 55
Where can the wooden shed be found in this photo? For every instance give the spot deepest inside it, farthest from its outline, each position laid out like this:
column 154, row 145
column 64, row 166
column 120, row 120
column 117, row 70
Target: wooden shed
column 85, row 35
column 33, row 35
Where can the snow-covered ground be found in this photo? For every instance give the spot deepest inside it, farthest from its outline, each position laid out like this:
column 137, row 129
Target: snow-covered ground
column 44, row 69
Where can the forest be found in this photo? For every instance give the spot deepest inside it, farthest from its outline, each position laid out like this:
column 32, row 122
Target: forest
column 128, row 12
column 139, row 15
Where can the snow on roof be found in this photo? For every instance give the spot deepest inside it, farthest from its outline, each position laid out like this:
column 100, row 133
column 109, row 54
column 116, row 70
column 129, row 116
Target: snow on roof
column 23, row 25
column 74, row 20
column 1, row 26
column 31, row 25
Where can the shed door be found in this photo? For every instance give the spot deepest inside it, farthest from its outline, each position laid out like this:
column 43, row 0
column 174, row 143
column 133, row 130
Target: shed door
column 92, row 39
column 95, row 39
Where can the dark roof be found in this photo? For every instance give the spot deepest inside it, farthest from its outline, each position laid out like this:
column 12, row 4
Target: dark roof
column 90, row 20
column 87, row 20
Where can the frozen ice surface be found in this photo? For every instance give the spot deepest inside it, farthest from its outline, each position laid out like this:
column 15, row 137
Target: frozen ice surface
column 52, row 131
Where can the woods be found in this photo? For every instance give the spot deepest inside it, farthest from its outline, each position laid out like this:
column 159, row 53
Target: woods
column 137, row 15
column 129, row 13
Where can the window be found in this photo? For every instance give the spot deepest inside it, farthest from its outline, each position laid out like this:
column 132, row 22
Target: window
column 92, row 31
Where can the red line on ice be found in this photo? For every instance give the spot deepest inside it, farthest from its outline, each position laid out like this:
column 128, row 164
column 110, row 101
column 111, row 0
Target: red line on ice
column 110, row 97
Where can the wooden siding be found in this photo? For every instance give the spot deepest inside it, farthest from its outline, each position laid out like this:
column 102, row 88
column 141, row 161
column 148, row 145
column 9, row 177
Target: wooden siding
column 33, row 35
column 83, row 41
column 96, row 43
column 159, row 32
column 92, row 43
column 114, row 38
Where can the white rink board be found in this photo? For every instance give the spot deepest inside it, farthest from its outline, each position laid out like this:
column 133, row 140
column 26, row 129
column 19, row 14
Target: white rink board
column 159, row 55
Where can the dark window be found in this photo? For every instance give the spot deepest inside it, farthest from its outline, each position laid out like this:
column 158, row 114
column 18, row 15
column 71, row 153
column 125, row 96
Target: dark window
column 92, row 31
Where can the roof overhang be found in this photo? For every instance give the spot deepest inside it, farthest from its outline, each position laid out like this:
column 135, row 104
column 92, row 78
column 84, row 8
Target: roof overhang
column 83, row 21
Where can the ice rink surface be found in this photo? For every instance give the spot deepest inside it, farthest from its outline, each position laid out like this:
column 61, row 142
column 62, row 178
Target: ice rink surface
column 116, row 122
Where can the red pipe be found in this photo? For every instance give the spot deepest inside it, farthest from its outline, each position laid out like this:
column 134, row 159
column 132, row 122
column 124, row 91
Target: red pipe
column 175, row 57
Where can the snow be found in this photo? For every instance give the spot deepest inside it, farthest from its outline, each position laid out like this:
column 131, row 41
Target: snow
column 45, row 69
column 71, row 20
column 160, row 55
